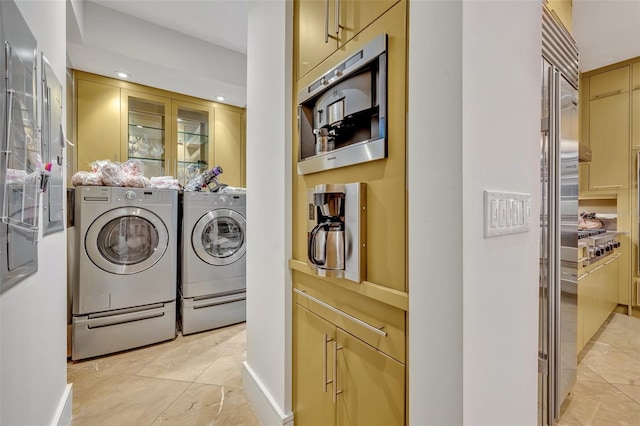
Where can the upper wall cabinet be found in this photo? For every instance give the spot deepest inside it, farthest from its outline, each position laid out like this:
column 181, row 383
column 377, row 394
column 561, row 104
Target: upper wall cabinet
column 171, row 134
column 609, row 83
column 324, row 26
column 98, row 118
column 147, row 131
column 193, row 153
column 609, row 129
column 609, row 137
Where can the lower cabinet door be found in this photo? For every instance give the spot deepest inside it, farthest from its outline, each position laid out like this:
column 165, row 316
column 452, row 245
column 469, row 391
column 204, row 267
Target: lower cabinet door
column 313, row 339
column 370, row 384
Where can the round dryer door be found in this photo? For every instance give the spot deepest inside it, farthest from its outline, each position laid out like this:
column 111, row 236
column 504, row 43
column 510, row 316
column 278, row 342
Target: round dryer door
column 219, row 237
column 126, row 240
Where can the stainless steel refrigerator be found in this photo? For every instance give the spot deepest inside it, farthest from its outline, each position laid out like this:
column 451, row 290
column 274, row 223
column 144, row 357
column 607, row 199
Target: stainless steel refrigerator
column 558, row 220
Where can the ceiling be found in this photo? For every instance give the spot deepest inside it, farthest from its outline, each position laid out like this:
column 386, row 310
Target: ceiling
column 198, row 47
column 195, row 47
column 607, row 31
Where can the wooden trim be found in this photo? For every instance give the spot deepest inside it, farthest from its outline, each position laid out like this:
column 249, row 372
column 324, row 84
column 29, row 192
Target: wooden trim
column 395, row 298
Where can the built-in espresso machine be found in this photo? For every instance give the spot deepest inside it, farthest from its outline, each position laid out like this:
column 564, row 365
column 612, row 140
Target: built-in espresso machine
column 342, row 114
column 336, row 240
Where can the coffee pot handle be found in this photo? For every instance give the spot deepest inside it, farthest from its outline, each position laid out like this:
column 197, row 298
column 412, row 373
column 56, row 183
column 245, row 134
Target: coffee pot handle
column 311, row 245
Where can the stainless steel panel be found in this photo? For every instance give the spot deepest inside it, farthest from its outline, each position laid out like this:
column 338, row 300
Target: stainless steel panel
column 559, row 242
column 207, row 314
column 122, row 330
column 353, row 154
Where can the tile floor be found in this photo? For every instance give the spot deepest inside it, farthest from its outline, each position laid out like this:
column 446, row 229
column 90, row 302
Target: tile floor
column 607, row 391
column 192, row 380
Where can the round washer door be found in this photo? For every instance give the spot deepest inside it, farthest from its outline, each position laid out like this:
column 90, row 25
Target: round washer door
column 219, row 237
column 126, row 240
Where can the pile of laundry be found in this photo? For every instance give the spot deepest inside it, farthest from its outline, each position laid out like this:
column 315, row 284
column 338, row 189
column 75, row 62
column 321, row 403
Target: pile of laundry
column 128, row 174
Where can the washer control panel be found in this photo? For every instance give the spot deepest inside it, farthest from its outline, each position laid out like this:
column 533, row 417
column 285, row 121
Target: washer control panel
column 142, row 195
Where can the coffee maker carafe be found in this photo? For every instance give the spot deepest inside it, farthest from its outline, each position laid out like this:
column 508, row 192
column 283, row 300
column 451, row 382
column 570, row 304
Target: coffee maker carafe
column 326, row 239
column 335, row 230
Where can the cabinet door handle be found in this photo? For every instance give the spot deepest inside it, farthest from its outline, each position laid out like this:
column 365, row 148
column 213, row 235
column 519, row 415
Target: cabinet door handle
column 326, row 21
column 608, row 186
column 377, row 330
column 336, row 392
column 337, row 15
column 607, row 94
column 325, row 340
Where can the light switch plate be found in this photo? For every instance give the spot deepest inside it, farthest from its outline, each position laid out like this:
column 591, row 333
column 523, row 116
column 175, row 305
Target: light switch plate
column 506, row 213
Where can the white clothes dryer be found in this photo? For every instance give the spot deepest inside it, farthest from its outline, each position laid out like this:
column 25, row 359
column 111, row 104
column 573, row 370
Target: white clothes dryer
column 213, row 268
column 124, row 293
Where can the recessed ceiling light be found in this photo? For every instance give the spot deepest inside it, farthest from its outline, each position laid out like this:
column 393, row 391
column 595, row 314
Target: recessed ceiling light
column 122, row 74
column 220, row 98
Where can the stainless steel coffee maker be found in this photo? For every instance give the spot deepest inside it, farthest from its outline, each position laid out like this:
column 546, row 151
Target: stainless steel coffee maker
column 335, row 242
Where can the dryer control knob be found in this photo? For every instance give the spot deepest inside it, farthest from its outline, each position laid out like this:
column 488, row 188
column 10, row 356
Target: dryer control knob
column 223, row 199
column 130, row 195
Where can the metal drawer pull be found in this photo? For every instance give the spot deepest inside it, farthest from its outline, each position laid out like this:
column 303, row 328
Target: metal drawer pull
column 325, row 340
column 608, row 186
column 326, row 21
column 377, row 330
column 606, row 94
column 336, row 392
column 337, row 16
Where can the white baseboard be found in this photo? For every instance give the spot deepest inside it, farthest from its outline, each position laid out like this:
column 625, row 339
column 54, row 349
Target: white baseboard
column 64, row 411
column 261, row 401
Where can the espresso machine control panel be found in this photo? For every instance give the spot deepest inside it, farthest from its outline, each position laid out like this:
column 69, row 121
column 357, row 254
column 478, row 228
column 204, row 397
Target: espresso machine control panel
column 336, row 230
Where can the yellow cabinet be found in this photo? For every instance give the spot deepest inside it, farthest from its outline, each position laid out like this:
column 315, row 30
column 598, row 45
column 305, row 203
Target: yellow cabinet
column 313, row 368
column 611, row 269
column 98, row 123
column 588, row 302
column 582, row 296
column 609, row 140
column 315, row 32
column 370, row 384
column 229, row 146
column 597, row 296
column 324, row 26
column 609, row 83
column 170, row 133
column 339, row 379
column 147, row 131
column 635, row 81
column 192, row 144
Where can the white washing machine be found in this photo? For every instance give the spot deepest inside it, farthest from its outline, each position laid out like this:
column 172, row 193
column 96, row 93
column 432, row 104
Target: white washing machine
column 124, row 292
column 213, row 269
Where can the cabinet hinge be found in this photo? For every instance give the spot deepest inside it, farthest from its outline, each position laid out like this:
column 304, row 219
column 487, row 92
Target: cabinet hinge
column 543, row 364
column 544, row 124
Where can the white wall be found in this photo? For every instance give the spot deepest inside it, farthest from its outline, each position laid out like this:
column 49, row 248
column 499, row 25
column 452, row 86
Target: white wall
column 33, row 373
column 268, row 364
column 434, row 164
column 484, row 125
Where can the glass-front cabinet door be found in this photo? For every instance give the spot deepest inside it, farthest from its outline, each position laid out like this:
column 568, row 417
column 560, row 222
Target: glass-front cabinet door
column 147, row 131
column 193, row 125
